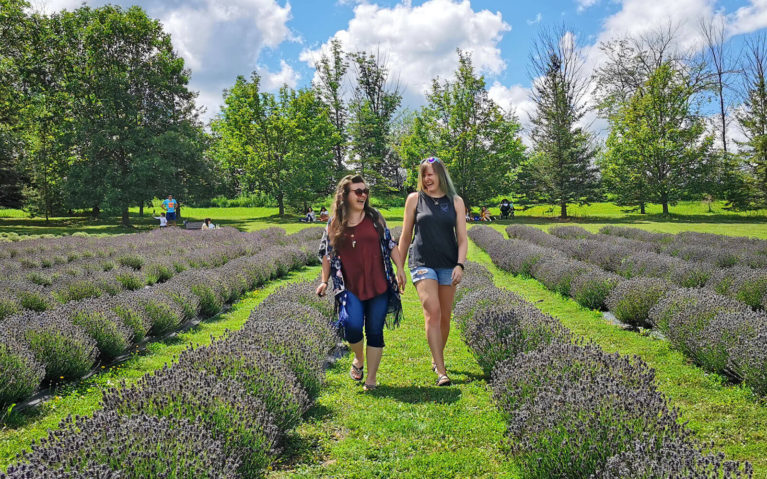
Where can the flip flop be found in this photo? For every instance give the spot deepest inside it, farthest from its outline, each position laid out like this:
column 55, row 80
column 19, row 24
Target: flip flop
column 369, row 387
column 443, row 380
column 356, row 373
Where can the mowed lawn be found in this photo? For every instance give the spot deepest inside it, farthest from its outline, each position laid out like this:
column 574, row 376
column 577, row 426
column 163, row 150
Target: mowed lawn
column 408, row 427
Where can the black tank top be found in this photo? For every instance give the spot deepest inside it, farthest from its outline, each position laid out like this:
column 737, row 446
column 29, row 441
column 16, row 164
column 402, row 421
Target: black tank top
column 434, row 242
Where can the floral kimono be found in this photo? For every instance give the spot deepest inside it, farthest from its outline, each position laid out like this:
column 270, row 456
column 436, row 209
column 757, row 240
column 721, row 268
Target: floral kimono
column 394, row 311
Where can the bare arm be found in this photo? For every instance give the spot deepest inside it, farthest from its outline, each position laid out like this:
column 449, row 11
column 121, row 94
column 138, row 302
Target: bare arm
column 324, row 276
column 407, row 226
column 461, row 237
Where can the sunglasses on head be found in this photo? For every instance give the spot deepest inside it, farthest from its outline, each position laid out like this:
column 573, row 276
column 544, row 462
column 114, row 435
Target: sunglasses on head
column 433, row 159
column 360, row 191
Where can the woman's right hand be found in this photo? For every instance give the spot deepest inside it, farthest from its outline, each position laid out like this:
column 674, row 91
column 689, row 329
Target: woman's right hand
column 321, row 289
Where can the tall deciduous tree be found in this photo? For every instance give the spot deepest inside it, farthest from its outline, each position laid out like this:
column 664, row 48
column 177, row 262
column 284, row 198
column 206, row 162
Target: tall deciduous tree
column 479, row 142
column 561, row 171
column 282, row 143
column 331, row 71
column 374, row 104
column 752, row 118
column 131, row 99
column 658, row 141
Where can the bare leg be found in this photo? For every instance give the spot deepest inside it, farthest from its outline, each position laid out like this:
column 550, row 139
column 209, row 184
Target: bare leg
column 359, row 356
column 429, row 295
column 374, row 359
column 446, row 295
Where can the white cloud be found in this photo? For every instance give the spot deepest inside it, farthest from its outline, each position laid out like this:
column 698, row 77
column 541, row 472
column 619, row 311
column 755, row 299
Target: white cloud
column 536, row 20
column 584, row 4
column 419, row 43
column 748, row 19
column 516, row 99
column 271, row 81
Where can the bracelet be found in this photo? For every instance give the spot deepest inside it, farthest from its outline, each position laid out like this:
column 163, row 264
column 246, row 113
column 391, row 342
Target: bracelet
column 461, row 265
column 324, row 282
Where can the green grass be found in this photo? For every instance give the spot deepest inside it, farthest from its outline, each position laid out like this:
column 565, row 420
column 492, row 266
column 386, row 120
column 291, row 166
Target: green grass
column 729, row 416
column 407, row 427
column 19, row 429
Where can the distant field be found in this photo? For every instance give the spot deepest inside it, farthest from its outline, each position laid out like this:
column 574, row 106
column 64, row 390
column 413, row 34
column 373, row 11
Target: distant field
column 686, row 216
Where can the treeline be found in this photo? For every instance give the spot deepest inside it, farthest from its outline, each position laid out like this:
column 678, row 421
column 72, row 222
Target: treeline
column 97, row 114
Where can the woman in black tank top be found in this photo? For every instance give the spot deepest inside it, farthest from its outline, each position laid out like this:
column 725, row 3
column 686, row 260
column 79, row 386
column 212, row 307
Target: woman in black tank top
column 437, row 253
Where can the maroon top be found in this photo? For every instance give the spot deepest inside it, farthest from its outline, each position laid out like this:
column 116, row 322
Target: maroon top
column 361, row 261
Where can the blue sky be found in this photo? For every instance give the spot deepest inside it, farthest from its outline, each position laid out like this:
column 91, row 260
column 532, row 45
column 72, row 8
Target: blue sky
column 220, row 39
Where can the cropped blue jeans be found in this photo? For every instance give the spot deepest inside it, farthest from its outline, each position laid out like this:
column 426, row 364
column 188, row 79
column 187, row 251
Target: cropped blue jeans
column 370, row 315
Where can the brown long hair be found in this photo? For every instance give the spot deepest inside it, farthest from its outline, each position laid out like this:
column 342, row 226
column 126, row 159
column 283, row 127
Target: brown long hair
column 340, row 211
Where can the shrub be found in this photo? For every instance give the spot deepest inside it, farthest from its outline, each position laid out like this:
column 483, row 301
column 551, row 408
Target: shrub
column 34, row 299
column 534, row 235
column 569, row 232
column 131, row 260
column 130, row 280
column 232, row 416
column 20, row 371
column 164, row 314
column 65, row 349
column 647, row 264
column 592, row 288
column 158, row 272
column 76, row 290
column 571, row 407
column 136, row 446
column 112, row 336
column 9, row 305
column 39, row 278
column 631, row 300
column 691, row 274
column 485, row 297
column 557, row 273
column 748, row 359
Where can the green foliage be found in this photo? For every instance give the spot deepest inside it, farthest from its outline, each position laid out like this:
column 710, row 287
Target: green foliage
column 752, row 118
column 283, row 143
column 657, row 150
column 477, row 140
column 560, row 171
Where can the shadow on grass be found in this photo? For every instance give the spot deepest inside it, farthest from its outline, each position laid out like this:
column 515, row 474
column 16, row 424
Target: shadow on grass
column 303, row 448
column 417, row 394
column 634, row 219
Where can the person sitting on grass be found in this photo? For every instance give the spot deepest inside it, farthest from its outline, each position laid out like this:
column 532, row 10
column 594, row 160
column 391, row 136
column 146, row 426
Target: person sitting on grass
column 506, row 209
column 207, row 225
column 163, row 220
column 484, row 215
column 324, row 215
column 310, row 217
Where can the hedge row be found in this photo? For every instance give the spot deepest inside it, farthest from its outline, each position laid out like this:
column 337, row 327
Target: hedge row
column 221, row 411
column 121, row 263
column 66, row 342
column 719, row 333
column 573, row 410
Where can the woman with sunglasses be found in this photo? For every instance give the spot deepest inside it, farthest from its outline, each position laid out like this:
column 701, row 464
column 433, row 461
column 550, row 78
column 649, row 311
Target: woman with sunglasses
column 356, row 252
column 437, row 254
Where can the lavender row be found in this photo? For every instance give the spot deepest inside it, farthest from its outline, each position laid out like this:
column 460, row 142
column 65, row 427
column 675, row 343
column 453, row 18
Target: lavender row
column 221, row 411
column 723, row 251
column 721, row 334
column 65, row 343
column 631, row 258
column 573, row 410
column 143, row 265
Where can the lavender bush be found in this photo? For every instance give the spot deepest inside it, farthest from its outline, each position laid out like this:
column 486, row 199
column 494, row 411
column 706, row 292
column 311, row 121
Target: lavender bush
column 631, row 300
column 591, row 289
column 20, row 371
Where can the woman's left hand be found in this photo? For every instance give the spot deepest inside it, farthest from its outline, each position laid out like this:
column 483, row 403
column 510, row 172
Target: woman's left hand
column 457, row 275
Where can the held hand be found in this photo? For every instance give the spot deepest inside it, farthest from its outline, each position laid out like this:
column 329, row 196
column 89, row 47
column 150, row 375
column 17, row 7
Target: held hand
column 457, row 275
column 321, row 289
column 401, row 281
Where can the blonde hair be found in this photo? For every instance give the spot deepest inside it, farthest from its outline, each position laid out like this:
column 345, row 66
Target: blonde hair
column 445, row 183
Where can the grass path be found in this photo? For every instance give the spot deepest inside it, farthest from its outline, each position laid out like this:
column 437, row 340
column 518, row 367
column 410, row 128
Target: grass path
column 728, row 415
column 21, row 429
column 407, row 427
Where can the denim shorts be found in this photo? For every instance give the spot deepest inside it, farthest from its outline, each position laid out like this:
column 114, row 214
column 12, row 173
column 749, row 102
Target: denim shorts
column 444, row 276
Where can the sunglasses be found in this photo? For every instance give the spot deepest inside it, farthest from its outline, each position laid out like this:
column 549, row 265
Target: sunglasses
column 433, row 159
column 360, row 191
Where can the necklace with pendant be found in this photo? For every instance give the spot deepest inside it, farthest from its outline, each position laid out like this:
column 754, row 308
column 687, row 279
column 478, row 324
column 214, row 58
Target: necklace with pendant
column 354, row 241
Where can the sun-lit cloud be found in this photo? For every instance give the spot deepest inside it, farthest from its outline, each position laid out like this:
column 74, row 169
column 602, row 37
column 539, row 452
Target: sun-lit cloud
column 536, row 20
column 419, row 42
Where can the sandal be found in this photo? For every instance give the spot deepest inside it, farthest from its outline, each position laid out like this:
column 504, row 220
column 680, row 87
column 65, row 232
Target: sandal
column 443, row 380
column 356, row 373
column 369, row 387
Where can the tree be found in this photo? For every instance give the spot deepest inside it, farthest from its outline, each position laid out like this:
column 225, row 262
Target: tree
column 282, row 143
column 658, row 142
column 372, row 111
column 131, row 100
column 718, row 60
column 752, row 118
column 561, row 170
column 331, row 71
column 479, row 143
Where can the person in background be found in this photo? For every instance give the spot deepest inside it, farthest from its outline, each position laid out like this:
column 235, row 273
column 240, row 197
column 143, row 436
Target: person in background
column 169, row 206
column 163, row 220
column 324, row 217
column 356, row 251
column 484, row 214
column 438, row 252
column 505, row 207
column 207, row 225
